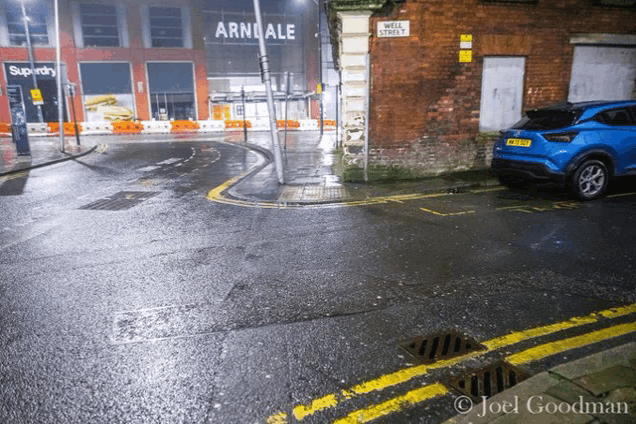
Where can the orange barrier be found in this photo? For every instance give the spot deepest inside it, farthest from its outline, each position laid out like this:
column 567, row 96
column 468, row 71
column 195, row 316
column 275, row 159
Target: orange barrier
column 237, row 124
column 5, row 128
column 290, row 124
column 184, row 126
column 69, row 128
column 329, row 122
column 125, row 127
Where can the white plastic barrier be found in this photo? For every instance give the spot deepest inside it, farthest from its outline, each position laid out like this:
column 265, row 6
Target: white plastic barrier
column 211, row 126
column 259, row 125
column 37, row 128
column 97, row 128
column 308, row 125
column 156, row 127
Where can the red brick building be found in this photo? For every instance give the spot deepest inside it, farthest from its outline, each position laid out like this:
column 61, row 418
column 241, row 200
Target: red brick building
column 442, row 73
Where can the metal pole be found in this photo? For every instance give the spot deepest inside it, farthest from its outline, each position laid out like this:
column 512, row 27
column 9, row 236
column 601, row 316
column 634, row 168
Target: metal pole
column 286, row 103
column 322, row 119
column 244, row 113
column 27, row 32
column 366, row 120
column 71, row 91
column 58, row 60
column 264, row 62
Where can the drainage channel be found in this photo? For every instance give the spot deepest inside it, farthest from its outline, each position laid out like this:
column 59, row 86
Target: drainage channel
column 120, row 201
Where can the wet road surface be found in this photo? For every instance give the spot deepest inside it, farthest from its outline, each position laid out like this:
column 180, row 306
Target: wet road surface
column 176, row 309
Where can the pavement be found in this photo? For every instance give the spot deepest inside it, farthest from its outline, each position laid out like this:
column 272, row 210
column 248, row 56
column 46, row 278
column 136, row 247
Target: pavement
column 600, row 388
column 581, row 391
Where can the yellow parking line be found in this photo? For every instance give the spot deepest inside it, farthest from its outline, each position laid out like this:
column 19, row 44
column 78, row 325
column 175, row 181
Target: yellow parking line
column 549, row 349
column 406, row 374
column 619, row 195
column 446, row 214
column 393, row 405
column 413, row 397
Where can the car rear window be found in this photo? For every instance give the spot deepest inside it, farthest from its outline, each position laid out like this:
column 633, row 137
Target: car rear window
column 618, row 117
column 547, row 119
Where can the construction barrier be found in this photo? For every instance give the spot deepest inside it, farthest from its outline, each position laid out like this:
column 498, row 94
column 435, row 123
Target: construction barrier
column 69, row 128
column 211, row 126
column 97, row 128
column 156, row 127
column 184, row 126
column 308, row 125
column 236, row 125
column 5, row 128
column 125, row 127
column 37, row 128
column 290, row 124
column 329, row 123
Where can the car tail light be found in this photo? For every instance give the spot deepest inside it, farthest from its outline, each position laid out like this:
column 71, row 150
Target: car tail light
column 565, row 137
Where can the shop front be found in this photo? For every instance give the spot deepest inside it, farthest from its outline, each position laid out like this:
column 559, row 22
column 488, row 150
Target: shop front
column 21, row 73
column 107, row 91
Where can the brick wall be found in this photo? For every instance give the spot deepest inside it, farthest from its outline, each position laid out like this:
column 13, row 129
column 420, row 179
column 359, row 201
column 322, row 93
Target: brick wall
column 424, row 111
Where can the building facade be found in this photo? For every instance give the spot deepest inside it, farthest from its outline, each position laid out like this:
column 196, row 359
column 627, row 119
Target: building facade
column 426, row 83
column 169, row 60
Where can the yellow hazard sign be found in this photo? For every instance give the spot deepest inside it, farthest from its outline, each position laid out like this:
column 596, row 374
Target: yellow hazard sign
column 319, row 88
column 466, row 38
column 36, row 95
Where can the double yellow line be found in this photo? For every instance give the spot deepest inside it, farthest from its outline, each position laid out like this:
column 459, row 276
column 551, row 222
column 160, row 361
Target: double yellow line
column 300, row 412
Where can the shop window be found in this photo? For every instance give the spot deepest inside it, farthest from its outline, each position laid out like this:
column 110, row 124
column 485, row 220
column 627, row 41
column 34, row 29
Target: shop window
column 99, row 25
column 38, row 28
column 171, row 90
column 166, row 26
column 107, row 91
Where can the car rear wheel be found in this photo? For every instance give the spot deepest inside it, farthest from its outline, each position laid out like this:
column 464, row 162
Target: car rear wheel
column 590, row 179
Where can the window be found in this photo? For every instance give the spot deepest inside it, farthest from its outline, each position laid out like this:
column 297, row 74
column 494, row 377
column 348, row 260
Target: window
column 37, row 27
column 166, row 26
column 107, row 89
column 616, row 117
column 99, row 25
column 171, row 87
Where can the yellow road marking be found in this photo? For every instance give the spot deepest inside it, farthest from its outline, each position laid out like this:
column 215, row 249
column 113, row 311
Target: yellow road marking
column 393, row 405
column 446, row 214
column 401, row 376
column 548, row 349
column 620, row 195
column 280, row 418
column 301, row 411
column 486, row 190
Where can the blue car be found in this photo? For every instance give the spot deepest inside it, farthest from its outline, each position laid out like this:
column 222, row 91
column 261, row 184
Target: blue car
column 583, row 145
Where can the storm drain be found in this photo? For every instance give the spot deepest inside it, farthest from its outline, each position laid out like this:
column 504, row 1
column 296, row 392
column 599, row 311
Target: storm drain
column 443, row 345
column 120, row 201
column 488, row 381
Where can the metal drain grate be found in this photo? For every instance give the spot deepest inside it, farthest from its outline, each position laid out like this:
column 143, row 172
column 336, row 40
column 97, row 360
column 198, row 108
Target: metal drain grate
column 443, row 345
column 488, row 381
column 120, row 201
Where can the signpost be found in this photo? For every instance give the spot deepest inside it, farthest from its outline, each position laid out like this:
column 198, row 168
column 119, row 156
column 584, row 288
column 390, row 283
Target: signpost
column 18, row 120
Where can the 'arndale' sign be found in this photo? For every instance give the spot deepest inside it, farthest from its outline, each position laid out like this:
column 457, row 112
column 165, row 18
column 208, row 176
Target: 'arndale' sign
column 246, row 30
column 240, row 28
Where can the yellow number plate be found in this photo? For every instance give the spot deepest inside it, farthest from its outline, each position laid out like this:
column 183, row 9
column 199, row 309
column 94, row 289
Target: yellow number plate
column 521, row 142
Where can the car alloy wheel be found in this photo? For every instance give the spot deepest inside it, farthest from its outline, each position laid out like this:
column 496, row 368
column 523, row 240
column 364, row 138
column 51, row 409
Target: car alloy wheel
column 590, row 179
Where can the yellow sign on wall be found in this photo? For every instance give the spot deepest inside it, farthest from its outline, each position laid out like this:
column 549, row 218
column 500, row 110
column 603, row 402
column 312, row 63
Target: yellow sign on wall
column 466, row 38
column 36, row 96
column 465, row 55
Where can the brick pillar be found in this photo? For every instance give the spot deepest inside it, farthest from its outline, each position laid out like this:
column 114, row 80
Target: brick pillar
column 354, row 48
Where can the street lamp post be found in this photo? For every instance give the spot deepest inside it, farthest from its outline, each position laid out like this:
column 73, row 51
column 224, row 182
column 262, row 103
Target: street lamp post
column 58, row 62
column 27, row 33
column 320, row 94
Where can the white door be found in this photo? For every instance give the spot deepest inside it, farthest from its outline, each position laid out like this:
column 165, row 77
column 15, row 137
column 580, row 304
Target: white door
column 501, row 92
column 602, row 73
